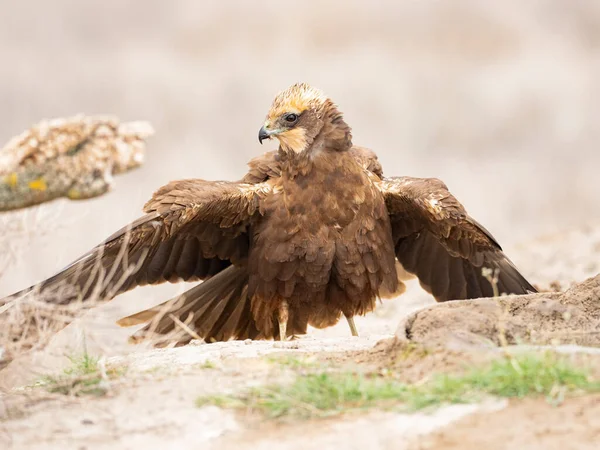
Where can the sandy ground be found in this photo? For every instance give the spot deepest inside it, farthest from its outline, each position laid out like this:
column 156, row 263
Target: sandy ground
column 152, row 405
column 527, row 424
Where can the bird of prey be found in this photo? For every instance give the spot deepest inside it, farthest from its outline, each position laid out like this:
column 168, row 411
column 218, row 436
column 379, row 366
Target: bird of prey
column 74, row 158
column 311, row 233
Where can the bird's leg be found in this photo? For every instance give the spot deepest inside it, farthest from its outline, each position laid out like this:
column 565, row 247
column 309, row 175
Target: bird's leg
column 353, row 329
column 283, row 314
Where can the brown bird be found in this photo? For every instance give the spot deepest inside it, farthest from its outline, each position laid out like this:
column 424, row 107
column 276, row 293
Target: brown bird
column 312, row 232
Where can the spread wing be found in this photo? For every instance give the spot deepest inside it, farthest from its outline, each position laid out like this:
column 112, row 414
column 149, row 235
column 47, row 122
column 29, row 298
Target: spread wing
column 192, row 230
column 437, row 240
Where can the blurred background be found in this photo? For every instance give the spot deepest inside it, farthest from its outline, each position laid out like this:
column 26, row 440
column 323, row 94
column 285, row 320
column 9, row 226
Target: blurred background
column 501, row 100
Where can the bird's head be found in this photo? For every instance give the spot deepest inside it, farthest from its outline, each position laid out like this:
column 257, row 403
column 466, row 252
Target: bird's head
column 297, row 116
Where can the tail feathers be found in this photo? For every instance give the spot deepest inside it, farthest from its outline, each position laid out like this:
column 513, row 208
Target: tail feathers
column 216, row 310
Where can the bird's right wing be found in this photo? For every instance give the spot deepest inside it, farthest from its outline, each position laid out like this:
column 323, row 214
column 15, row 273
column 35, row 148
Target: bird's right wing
column 263, row 167
column 192, row 230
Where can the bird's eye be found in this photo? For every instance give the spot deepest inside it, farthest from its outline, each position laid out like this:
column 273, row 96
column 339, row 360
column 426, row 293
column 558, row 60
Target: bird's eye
column 291, row 118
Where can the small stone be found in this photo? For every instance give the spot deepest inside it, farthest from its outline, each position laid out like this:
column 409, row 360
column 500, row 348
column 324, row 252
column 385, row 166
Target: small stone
column 289, row 345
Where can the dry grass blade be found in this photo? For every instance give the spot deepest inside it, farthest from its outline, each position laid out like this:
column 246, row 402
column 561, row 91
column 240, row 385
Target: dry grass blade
column 28, row 324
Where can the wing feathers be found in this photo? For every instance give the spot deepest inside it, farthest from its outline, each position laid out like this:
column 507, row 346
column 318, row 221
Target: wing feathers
column 439, row 242
column 192, row 230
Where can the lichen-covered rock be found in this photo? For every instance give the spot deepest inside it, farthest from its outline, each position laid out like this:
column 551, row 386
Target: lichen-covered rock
column 74, row 157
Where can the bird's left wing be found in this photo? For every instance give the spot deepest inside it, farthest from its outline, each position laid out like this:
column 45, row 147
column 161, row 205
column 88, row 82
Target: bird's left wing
column 436, row 240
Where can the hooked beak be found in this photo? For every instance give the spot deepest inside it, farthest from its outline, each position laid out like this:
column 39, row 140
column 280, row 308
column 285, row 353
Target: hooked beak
column 264, row 134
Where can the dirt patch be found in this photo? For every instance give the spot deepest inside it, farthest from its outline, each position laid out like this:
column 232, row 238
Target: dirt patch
column 413, row 362
column 571, row 317
column 28, row 324
column 524, row 424
column 153, row 404
column 376, row 430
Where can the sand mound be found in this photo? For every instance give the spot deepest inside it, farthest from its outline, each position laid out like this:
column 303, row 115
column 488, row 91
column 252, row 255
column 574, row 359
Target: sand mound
column 570, row 317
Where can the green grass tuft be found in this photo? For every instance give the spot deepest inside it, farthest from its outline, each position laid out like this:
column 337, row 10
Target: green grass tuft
column 85, row 376
column 293, row 362
column 326, row 394
column 546, row 374
column 208, row 364
column 321, row 395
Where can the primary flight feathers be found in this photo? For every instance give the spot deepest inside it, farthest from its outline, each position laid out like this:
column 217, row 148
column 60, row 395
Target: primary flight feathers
column 311, row 233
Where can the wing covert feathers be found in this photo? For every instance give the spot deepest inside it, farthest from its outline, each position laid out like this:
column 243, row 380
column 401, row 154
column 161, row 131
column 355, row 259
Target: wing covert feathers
column 193, row 229
column 437, row 240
